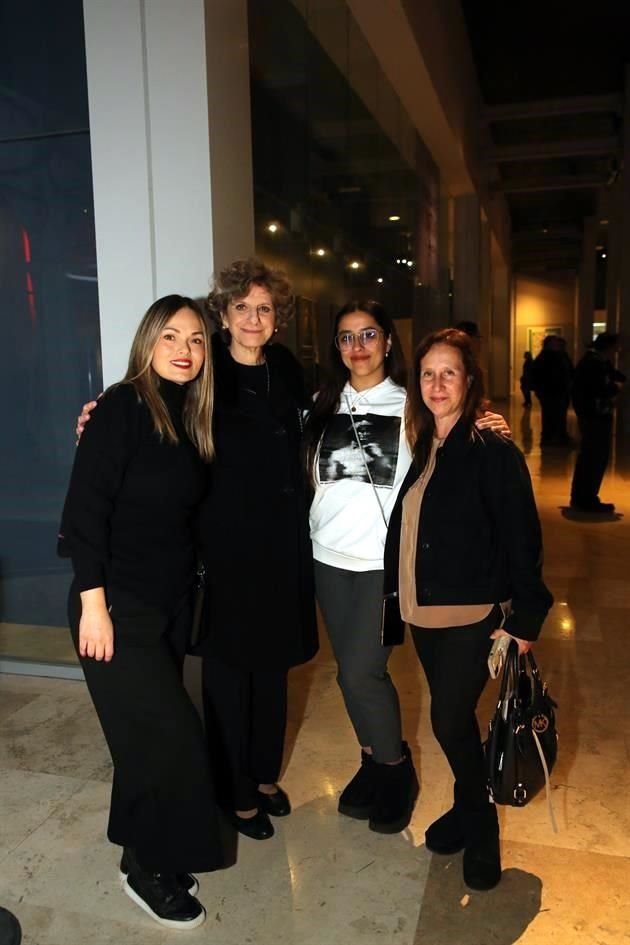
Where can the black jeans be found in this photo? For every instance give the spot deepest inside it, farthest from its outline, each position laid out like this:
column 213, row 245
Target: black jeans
column 455, row 661
column 162, row 803
column 246, row 715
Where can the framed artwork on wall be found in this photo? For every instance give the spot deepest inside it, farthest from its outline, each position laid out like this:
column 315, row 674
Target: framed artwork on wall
column 536, row 336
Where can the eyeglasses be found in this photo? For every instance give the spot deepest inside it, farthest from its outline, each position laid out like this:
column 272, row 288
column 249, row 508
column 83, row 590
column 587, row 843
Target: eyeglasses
column 366, row 338
column 245, row 311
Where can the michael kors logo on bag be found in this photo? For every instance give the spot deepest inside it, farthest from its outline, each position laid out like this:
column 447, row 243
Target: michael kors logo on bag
column 540, row 724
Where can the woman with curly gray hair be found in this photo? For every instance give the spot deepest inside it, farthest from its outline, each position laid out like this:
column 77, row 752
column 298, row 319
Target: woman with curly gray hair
column 259, row 614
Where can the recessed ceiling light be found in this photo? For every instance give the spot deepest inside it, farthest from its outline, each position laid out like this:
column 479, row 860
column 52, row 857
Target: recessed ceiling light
column 273, row 228
column 394, row 218
column 410, row 262
column 354, row 264
column 403, row 261
column 380, row 279
column 320, row 252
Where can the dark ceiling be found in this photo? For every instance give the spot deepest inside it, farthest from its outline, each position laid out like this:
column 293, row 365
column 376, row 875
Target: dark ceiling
column 552, row 76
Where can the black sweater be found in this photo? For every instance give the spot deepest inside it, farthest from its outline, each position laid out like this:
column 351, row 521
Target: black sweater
column 479, row 539
column 129, row 513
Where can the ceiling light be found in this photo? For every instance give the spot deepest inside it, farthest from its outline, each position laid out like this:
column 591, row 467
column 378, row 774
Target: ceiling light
column 603, row 255
column 403, row 261
column 380, row 280
column 398, row 261
column 272, row 228
column 394, row 218
column 354, row 264
column 320, row 252
column 410, row 262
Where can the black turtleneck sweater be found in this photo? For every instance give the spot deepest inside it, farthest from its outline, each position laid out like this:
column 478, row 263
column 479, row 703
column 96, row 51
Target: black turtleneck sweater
column 129, row 513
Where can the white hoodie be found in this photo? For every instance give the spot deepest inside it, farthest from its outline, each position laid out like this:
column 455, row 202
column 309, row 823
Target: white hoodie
column 347, row 526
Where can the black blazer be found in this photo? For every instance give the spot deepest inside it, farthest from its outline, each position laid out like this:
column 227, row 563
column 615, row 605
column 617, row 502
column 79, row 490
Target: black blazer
column 479, row 539
column 253, row 526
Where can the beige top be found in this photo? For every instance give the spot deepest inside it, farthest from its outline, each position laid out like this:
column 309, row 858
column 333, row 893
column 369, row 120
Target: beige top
column 434, row 616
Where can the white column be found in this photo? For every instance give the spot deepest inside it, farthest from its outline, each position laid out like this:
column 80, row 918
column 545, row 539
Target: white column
column 168, row 88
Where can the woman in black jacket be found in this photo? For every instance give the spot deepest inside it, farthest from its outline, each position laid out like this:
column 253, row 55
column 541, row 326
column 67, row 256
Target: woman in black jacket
column 139, row 474
column 463, row 555
column 254, row 540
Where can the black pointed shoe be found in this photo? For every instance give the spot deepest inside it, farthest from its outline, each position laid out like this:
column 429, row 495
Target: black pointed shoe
column 482, row 854
column 258, row 827
column 162, row 897
column 396, row 795
column 446, row 834
column 276, row 804
column 128, row 861
column 359, row 796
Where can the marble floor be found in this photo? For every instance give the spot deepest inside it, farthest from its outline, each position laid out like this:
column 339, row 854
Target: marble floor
column 326, row 880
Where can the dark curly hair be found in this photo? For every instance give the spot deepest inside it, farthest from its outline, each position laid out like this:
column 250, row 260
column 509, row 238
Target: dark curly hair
column 235, row 281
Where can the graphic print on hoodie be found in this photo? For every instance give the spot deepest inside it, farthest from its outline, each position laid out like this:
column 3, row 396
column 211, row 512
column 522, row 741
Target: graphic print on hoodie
column 341, row 458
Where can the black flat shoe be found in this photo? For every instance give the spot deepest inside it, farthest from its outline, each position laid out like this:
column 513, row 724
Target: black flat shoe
column 276, row 804
column 258, row 827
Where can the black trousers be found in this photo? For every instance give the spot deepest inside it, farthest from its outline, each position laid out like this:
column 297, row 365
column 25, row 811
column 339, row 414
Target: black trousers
column 455, row 662
column 553, row 408
column 592, row 458
column 246, row 715
column 162, row 803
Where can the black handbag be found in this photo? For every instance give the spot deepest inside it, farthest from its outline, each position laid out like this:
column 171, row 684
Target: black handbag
column 522, row 741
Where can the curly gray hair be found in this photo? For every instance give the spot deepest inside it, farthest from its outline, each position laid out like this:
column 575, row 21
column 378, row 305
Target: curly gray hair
column 235, row 281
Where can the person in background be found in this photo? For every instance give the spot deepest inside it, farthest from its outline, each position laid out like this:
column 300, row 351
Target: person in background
column 357, row 458
column 527, row 377
column 462, row 560
column 552, row 378
column 139, row 475
column 596, row 385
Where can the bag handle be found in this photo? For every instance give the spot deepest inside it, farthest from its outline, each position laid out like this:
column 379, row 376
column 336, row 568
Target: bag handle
column 365, row 463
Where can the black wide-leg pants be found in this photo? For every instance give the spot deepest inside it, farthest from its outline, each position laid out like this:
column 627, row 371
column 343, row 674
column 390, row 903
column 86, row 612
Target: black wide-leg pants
column 162, row 803
column 246, row 714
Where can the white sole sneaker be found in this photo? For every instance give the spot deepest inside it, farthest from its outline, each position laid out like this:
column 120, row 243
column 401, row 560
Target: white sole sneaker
column 167, row 923
column 194, row 889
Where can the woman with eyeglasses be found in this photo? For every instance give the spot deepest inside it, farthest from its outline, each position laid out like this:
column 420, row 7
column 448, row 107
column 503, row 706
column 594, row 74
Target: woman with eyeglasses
column 357, row 458
column 259, row 612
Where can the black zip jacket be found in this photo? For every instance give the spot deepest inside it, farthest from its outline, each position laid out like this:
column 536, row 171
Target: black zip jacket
column 479, row 539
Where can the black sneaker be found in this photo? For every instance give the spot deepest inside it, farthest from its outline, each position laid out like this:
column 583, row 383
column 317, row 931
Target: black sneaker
column 359, row 796
column 186, row 880
column 397, row 792
column 594, row 508
column 162, row 897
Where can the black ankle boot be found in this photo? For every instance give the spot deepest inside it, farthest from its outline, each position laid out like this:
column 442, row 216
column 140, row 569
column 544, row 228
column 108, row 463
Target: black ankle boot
column 446, row 834
column 359, row 796
column 397, row 790
column 482, row 854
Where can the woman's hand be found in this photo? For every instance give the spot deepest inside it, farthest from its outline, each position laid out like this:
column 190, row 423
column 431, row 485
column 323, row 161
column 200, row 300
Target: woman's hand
column 96, row 630
column 490, row 421
column 84, row 416
column 523, row 645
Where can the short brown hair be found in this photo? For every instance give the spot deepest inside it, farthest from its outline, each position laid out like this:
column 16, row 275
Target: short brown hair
column 419, row 421
column 235, row 281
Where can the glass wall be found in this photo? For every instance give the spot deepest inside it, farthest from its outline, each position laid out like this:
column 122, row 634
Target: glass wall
column 48, row 310
column 345, row 192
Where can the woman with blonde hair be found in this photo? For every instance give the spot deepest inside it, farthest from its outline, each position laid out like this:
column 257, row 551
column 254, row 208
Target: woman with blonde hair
column 139, row 475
